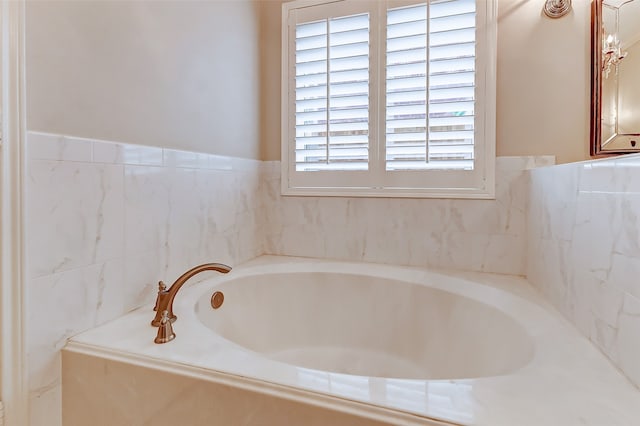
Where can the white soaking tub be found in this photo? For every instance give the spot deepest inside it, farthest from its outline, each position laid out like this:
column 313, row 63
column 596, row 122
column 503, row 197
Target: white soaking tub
column 369, row 326
column 399, row 345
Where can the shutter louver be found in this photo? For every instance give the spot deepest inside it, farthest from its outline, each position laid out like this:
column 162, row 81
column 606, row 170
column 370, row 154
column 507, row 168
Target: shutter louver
column 332, row 94
column 430, row 50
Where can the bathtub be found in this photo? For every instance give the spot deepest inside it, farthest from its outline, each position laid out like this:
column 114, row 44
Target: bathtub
column 367, row 325
column 394, row 345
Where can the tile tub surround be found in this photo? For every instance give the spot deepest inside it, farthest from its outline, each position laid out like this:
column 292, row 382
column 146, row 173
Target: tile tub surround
column 476, row 235
column 106, row 221
column 567, row 381
column 584, row 251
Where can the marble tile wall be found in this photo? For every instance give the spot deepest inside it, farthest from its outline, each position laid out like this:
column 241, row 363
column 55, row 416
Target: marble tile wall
column 105, row 221
column 584, row 251
column 477, row 235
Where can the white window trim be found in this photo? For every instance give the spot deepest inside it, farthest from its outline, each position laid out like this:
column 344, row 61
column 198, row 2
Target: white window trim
column 486, row 58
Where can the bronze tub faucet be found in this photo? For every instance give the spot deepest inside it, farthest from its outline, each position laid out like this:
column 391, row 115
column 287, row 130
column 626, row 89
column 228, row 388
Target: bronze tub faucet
column 164, row 301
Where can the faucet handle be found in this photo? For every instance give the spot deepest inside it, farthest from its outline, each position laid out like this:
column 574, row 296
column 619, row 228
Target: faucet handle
column 162, row 287
column 165, row 331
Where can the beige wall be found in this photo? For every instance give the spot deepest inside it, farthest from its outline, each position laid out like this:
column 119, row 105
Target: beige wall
column 179, row 74
column 193, row 75
column 543, row 81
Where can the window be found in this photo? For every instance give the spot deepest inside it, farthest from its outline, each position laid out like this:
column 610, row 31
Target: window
column 389, row 98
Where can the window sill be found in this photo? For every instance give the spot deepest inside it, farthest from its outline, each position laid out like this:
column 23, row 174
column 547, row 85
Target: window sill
column 444, row 193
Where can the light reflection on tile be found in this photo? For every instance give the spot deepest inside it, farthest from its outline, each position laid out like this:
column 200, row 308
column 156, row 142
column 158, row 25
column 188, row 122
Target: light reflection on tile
column 142, row 155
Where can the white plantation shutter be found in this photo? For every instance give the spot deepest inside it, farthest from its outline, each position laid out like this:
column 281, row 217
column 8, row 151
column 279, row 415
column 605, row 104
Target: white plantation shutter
column 406, row 82
column 332, row 94
column 389, row 97
column 452, row 32
column 430, row 46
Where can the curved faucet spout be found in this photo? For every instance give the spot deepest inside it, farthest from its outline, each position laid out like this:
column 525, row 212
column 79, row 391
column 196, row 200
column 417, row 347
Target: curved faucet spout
column 164, row 302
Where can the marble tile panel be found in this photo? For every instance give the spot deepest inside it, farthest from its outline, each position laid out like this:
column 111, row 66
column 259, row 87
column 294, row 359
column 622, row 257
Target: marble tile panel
column 142, row 272
column 386, row 244
column 337, row 247
column 74, row 215
column 188, row 209
column 185, row 159
column 624, row 273
column 583, row 239
column 147, row 207
column 142, row 155
column 63, row 304
column 503, row 253
column 458, row 250
column 628, row 338
column 106, row 152
column 307, row 240
column 481, row 235
column 219, row 162
column 46, row 146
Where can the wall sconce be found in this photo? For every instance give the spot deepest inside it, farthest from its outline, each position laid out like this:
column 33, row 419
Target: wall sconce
column 611, row 53
column 557, row 8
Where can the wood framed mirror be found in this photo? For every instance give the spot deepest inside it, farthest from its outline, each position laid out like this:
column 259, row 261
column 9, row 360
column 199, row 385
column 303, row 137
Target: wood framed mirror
column 615, row 71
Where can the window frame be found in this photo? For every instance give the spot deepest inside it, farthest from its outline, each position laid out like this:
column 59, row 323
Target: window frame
column 478, row 184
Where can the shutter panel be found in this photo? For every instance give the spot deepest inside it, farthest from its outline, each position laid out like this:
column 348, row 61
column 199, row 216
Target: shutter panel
column 406, row 77
column 430, row 50
column 332, row 94
column 452, row 31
